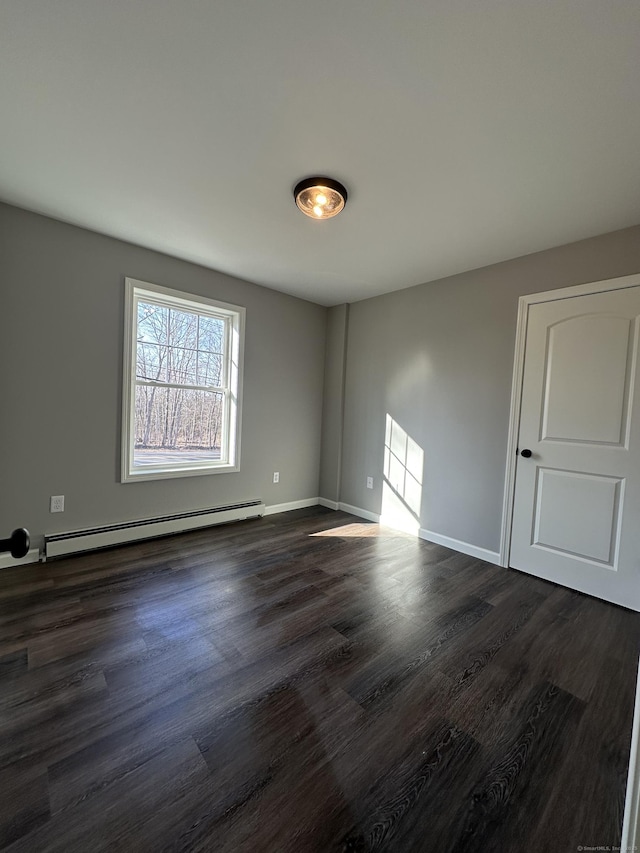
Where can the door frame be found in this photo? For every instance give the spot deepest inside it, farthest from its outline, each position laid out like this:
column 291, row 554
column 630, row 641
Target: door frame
column 524, row 304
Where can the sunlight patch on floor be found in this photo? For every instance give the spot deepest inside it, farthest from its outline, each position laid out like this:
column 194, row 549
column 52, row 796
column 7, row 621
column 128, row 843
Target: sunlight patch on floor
column 355, row 530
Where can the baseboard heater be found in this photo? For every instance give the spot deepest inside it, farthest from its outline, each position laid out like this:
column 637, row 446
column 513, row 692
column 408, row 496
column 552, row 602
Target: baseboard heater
column 59, row 544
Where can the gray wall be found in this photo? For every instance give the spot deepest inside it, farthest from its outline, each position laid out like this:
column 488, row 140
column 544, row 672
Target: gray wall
column 333, row 406
column 438, row 358
column 61, row 333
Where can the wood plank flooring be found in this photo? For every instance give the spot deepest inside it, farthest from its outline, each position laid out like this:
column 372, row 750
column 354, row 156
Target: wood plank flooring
column 308, row 682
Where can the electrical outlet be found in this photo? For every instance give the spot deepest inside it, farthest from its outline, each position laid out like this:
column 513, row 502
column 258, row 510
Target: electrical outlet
column 57, row 503
column 369, row 482
column 276, row 476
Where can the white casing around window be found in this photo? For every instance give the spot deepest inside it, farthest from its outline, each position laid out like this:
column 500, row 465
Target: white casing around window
column 234, row 317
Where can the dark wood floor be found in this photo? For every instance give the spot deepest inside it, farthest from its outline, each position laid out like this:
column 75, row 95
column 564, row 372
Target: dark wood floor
column 308, row 682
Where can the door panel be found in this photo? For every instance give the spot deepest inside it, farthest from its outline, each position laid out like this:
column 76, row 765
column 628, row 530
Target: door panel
column 586, row 379
column 576, row 513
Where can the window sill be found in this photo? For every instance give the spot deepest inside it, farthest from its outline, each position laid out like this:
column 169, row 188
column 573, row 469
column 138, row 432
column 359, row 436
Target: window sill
column 170, row 473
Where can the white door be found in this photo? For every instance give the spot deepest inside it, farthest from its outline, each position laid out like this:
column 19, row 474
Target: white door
column 576, row 512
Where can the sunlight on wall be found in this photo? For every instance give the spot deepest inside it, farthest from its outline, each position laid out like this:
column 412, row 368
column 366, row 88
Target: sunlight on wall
column 402, row 484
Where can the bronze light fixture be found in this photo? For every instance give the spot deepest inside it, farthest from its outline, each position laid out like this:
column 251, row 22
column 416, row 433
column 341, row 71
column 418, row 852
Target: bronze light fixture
column 319, row 197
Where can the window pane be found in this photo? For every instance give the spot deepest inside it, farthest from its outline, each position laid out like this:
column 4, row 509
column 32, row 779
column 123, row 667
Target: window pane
column 209, row 369
column 183, row 329
column 151, row 362
column 175, row 425
column 183, row 364
column 153, row 323
column 211, row 334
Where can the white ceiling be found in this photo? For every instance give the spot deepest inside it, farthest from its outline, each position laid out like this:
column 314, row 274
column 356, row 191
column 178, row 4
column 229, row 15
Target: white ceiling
column 466, row 132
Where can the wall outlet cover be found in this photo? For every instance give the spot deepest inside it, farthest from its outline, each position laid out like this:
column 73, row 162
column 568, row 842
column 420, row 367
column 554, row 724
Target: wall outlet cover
column 57, row 503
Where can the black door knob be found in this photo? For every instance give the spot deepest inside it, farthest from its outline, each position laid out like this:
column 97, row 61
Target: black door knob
column 17, row 544
column 526, row 453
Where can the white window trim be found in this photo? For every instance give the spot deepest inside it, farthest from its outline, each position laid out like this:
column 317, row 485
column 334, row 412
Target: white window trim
column 134, row 291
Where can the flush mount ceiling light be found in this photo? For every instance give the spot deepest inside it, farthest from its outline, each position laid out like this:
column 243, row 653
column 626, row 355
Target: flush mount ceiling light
column 320, row 198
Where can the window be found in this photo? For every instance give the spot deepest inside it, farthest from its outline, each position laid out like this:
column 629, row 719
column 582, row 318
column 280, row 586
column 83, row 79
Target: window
column 182, row 379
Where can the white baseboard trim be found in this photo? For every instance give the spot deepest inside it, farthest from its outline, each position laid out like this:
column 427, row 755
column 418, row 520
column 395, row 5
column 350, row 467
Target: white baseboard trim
column 631, row 824
column 329, row 504
column 363, row 513
column 459, row 545
column 286, row 507
column 9, row 562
